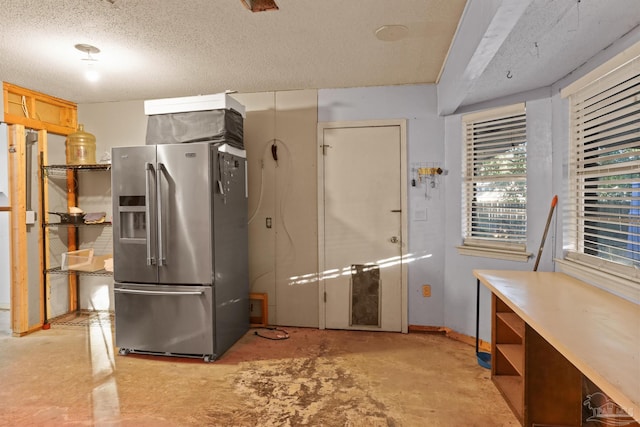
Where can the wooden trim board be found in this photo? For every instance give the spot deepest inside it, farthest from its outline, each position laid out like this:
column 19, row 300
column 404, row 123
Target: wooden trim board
column 450, row 333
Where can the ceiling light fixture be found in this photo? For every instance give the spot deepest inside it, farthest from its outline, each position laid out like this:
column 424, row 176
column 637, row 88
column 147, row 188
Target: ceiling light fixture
column 259, row 5
column 91, row 73
column 392, row 33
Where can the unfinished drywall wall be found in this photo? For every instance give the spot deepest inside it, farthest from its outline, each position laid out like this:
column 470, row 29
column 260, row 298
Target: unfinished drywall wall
column 425, row 137
column 283, row 243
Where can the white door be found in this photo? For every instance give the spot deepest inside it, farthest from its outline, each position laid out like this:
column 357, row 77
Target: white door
column 362, row 192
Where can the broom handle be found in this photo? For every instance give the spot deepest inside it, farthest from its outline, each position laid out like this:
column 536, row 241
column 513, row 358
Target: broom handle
column 554, row 202
column 477, row 314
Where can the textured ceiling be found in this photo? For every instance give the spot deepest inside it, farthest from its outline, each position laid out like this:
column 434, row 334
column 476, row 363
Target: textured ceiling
column 551, row 39
column 166, row 48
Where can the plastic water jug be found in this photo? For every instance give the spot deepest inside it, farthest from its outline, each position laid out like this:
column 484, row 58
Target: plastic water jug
column 81, row 147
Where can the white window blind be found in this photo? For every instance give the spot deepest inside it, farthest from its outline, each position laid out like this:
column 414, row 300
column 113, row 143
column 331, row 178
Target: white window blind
column 604, row 173
column 495, row 178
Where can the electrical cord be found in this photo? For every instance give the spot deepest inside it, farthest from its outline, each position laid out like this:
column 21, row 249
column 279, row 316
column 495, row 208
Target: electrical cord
column 255, row 212
column 283, row 336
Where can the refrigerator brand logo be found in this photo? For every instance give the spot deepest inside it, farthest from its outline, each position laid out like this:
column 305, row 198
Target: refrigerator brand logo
column 189, row 154
column 124, row 156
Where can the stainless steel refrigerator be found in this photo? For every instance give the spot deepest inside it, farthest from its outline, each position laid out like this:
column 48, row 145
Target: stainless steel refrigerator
column 180, row 248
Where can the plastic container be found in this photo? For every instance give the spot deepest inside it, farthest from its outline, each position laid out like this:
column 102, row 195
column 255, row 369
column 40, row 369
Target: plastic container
column 84, row 260
column 76, row 260
column 81, row 147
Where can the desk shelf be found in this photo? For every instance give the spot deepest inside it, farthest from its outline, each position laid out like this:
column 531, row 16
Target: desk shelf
column 514, row 322
column 514, row 355
column 508, row 355
column 512, row 389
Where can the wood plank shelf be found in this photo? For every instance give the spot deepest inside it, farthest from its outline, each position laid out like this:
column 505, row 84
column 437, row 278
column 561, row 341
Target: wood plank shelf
column 512, row 389
column 513, row 321
column 514, row 353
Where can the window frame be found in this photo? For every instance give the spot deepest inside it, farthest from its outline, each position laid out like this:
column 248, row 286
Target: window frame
column 473, row 244
column 614, row 276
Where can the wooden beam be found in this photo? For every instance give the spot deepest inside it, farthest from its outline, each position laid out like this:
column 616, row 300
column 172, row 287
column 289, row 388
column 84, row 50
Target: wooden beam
column 484, row 27
column 39, row 111
column 19, row 264
column 72, row 240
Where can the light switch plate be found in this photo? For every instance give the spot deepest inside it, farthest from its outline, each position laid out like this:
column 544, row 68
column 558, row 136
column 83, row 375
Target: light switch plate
column 31, row 217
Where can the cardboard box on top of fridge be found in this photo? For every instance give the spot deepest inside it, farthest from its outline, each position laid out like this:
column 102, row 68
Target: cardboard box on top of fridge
column 218, row 101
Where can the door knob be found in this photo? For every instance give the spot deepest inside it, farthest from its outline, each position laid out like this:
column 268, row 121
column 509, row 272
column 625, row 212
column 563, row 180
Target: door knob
column 394, row 239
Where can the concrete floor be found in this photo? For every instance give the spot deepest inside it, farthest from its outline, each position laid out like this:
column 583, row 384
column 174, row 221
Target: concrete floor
column 5, row 321
column 72, row 376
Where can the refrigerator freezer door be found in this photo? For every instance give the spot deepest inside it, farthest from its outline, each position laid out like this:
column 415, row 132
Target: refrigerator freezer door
column 164, row 319
column 133, row 187
column 184, row 214
column 230, row 249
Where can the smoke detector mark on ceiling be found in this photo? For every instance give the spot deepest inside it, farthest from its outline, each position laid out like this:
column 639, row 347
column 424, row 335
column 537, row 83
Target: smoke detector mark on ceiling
column 392, row 33
column 259, row 5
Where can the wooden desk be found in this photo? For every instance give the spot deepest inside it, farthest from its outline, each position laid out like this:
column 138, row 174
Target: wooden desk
column 596, row 331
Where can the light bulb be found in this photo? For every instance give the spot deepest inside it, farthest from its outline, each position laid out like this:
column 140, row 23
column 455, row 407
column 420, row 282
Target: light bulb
column 92, row 74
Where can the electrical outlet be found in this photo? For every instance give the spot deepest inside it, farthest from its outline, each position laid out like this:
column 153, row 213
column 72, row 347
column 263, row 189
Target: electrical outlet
column 426, row 291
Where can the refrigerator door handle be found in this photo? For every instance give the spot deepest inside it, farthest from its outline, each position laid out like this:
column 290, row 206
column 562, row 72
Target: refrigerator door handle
column 142, row 292
column 151, row 260
column 161, row 255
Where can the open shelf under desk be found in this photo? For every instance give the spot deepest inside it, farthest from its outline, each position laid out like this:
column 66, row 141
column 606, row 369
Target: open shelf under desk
column 512, row 389
column 514, row 354
column 513, row 321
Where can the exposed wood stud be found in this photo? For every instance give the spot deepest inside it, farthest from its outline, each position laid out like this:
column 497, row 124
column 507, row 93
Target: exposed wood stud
column 72, row 240
column 36, row 110
column 19, row 259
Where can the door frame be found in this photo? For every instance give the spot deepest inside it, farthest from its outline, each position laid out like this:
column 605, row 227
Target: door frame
column 402, row 124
